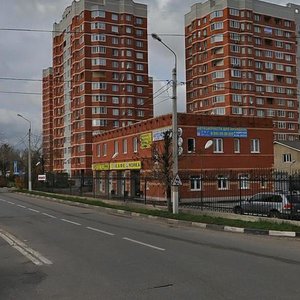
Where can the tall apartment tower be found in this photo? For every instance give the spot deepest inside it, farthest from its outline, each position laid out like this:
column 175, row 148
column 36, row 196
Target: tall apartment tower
column 47, row 120
column 241, row 59
column 100, row 75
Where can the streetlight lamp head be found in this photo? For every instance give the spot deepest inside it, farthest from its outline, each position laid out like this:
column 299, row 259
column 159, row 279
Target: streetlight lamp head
column 19, row 115
column 156, row 37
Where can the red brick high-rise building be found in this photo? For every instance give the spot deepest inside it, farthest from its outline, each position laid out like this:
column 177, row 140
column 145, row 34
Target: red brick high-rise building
column 241, row 59
column 100, row 77
column 47, row 120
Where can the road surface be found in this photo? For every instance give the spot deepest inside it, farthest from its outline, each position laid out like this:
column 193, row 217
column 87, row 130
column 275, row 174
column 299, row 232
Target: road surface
column 50, row 250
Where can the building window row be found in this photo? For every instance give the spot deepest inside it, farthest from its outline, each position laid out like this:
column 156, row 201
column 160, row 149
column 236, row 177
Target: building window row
column 222, row 182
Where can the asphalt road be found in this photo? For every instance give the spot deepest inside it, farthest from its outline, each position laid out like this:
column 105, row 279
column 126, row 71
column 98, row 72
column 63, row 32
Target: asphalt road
column 82, row 253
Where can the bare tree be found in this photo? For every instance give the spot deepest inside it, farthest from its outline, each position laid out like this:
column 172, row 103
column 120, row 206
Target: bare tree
column 162, row 163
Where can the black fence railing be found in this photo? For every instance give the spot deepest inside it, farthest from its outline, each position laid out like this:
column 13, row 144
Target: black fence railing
column 270, row 193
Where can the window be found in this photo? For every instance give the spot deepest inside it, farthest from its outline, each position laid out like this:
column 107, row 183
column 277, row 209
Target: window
column 115, row 88
column 125, row 146
column 236, row 145
column 139, row 21
column 216, row 26
column 99, row 122
column 218, row 145
column 115, row 41
column 98, row 62
column 135, row 144
column 195, row 183
column 222, row 182
column 140, row 67
column 116, row 147
column 191, row 145
column 98, row 13
column 115, row 100
column 114, row 28
column 139, row 32
column 114, row 17
column 98, row 86
column 99, row 110
column 98, row 25
column 255, row 146
column 237, row 110
column 216, row 38
column 244, row 181
column 99, row 150
column 98, row 49
column 99, row 98
column 216, row 14
column 139, row 55
column 98, row 37
column 270, row 76
column 218, row 74
column 287, row 158
column 115, row 111
column 105, row 149
column 234, row 24
column 234, row 12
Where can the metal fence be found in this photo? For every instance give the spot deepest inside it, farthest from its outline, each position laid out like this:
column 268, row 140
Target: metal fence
column 217, row 191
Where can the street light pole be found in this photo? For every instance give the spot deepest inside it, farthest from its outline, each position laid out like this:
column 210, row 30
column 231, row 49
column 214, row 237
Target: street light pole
column 174, row 188
column 29, row 152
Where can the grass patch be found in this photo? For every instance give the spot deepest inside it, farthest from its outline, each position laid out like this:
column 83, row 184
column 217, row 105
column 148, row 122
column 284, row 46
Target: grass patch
column 265, row 225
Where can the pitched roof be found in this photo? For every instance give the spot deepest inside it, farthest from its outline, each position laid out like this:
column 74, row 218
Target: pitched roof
column 295, row 145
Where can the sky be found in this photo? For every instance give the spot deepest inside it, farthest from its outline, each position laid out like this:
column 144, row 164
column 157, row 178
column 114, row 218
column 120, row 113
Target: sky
column 23, row 55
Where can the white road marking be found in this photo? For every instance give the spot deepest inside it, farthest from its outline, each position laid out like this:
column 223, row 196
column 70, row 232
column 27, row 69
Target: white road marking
column 144, row 244
column 34, row 210
column 101, row 231
column 21, row 206
column 11, row 202
column 68, row 221
column 34, row 256
column 3, row 200
column 50, row 216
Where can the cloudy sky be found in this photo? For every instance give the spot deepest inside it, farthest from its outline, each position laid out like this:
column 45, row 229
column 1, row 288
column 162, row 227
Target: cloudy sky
column 24, row 54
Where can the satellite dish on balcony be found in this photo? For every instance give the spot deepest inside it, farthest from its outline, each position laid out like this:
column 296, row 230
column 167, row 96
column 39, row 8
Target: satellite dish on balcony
column 208, row 144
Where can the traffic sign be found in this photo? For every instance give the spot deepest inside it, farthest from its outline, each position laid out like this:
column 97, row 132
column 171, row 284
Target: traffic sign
column 176, row 181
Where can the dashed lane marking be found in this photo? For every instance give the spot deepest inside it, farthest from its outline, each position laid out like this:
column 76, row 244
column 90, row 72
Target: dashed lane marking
column 71, row 222
column 101, row 231
column 22, row 206
column 50, row 216
column 34, row 210
column 144, row 244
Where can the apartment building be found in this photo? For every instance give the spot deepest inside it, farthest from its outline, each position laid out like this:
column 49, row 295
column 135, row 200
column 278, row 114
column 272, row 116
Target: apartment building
column 241, row 59
column 47, row 119
column 100, row 76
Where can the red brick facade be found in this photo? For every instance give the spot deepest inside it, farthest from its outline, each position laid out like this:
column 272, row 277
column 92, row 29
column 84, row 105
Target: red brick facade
column 242, row 61
column 100, row 72
column 47, row 118
column 124, row 153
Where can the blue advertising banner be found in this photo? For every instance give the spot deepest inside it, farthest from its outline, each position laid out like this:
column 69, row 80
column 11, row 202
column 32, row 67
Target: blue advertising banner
column 222, row 132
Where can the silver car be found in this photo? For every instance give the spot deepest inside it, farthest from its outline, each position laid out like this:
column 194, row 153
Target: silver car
column 271, row 204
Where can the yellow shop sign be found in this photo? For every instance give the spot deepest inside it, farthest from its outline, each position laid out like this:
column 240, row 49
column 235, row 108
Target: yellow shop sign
column 100, row 167
column 146, row 140
column 126, row 165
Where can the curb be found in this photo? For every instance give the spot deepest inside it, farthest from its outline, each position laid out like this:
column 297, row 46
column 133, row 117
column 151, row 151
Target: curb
column 215, row 227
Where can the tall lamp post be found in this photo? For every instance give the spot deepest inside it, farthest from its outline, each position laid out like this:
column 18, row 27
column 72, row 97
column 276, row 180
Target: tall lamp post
column 29, row 152
column 174, row 189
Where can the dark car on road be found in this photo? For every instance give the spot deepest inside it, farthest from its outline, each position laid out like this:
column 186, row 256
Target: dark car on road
column 271, row 204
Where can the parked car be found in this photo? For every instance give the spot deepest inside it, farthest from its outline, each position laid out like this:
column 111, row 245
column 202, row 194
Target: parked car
column 271, row 204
